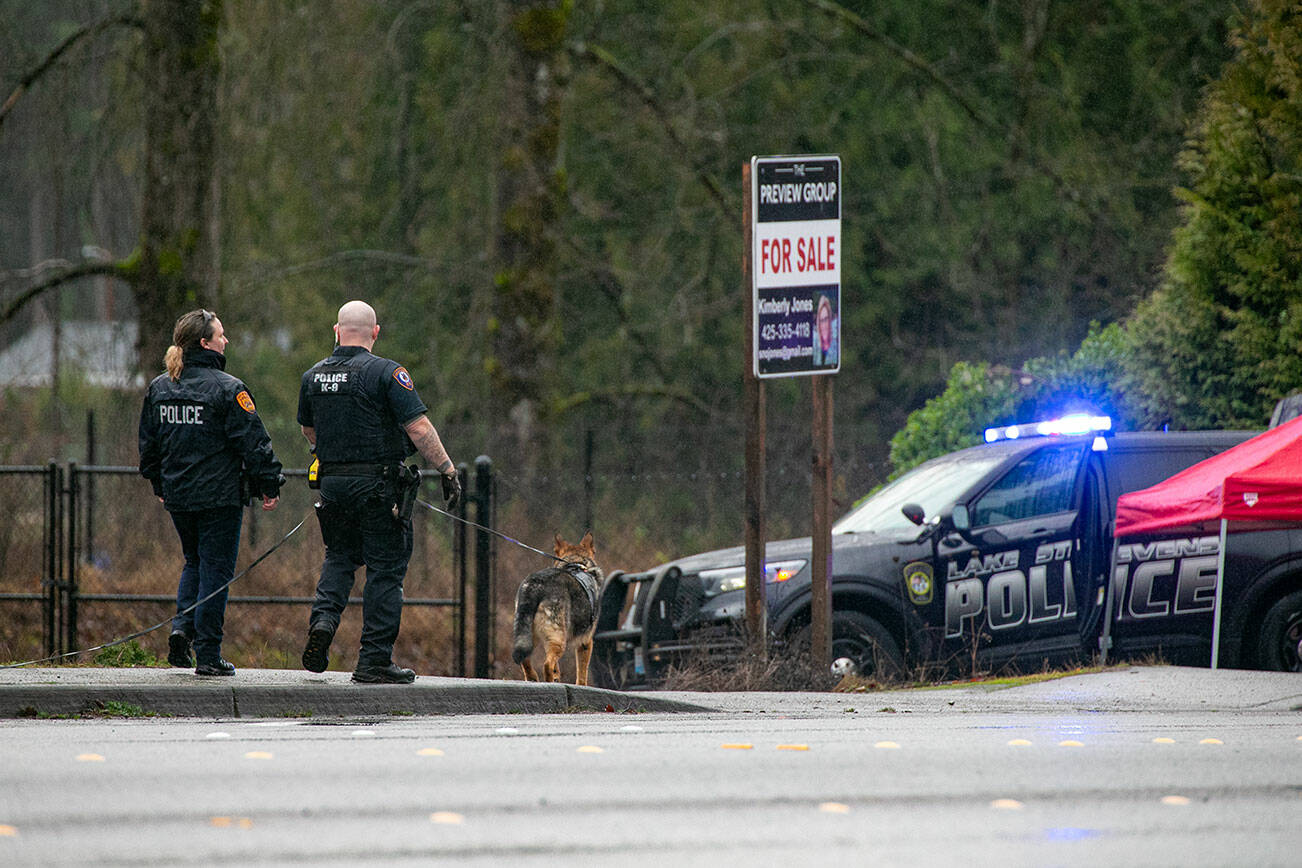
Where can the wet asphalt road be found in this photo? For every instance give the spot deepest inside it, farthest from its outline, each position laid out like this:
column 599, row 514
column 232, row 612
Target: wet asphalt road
column 869, row 779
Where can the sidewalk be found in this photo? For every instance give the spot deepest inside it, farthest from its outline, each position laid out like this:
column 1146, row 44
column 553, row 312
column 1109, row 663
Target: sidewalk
column 288, row 693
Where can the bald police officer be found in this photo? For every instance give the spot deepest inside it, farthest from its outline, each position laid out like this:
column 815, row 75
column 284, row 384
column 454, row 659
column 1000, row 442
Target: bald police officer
column 363, row 417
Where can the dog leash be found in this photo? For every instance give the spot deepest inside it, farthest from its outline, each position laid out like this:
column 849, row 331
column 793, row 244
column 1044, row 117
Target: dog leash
column 185, row 611
column 494, row 532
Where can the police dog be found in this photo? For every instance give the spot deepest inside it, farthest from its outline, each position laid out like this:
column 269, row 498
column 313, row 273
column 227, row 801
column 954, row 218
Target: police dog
column 557, row 608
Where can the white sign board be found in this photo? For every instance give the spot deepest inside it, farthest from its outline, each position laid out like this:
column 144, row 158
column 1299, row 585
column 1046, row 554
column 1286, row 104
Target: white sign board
column 796, row 265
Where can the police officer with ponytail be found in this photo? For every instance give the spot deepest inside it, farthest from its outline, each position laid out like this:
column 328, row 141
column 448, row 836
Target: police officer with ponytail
column 205, row 451
column 362, row 416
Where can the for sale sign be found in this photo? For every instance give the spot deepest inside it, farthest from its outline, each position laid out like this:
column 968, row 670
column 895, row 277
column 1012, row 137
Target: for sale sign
column 796, row 264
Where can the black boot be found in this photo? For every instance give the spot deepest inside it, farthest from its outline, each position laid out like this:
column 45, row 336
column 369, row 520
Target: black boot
column 316, row 655
column 221, row 667
column 178, row 650
column 391, row 674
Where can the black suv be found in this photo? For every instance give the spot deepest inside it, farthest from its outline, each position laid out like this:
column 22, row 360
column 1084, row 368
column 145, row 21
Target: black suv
column 997, row 554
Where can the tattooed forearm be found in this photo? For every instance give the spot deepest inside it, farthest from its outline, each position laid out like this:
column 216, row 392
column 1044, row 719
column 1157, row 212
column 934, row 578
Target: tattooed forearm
column 427, row 443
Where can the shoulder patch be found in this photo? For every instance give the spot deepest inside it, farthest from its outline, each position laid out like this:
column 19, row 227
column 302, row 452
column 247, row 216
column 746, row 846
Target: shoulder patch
column 245, row 400
column 404, row 379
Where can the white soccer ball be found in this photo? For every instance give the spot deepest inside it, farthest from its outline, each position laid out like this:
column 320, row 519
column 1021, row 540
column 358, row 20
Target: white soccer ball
column 843, row 666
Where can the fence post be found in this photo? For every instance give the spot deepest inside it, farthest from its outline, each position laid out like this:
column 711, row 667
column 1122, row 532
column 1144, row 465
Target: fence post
column 483, row 567
column 70, row 563
column 88, row 547
column 50, row 579
column 462, row 561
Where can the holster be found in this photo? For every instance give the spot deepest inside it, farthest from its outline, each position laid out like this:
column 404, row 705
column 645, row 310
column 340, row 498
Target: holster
column 406, row 485
column 330, row 517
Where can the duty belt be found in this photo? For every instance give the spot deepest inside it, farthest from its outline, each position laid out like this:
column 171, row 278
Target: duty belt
column 365, row 469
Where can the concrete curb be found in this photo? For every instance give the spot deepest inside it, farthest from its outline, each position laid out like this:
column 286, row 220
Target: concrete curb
column 264, row 693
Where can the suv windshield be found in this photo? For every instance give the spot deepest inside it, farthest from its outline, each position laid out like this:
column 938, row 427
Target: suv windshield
column 934, row 486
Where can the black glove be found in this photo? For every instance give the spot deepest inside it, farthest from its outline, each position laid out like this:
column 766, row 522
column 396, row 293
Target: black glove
column 451, row 490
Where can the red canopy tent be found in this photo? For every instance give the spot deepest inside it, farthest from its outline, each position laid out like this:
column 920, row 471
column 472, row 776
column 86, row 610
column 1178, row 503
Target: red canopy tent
column 1259, row 482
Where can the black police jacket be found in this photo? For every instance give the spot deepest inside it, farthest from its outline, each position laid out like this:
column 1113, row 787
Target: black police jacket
column 357, row 403
column 198, row 434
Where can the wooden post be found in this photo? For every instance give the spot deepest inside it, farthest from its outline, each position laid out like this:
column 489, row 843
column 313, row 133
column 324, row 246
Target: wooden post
column 821, row 492
column 757, row 620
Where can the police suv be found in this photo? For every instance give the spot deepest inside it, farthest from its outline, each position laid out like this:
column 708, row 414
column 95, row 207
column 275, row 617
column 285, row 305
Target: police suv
column 993, row 556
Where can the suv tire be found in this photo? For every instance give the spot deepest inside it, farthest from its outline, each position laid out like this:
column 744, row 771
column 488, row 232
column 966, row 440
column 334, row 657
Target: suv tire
column 863, row 640
column 1281, row 633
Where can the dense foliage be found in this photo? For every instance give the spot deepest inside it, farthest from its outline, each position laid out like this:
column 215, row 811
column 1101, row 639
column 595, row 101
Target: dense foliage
column 542, row 199
column 1220, row 341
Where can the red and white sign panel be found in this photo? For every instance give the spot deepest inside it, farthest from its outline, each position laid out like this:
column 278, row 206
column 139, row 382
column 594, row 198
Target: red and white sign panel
column 796, row 265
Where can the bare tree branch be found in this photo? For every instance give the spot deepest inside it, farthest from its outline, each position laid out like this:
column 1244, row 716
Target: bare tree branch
column 87, row 32
column 1013, row 135
column 629, row 79
column 644, row 390
column 58, row 272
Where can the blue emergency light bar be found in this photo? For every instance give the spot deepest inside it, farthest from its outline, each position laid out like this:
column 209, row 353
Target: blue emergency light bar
column 1076, row 423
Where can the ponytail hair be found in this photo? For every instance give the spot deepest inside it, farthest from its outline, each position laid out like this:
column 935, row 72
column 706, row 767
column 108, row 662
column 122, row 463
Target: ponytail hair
column 191, row 328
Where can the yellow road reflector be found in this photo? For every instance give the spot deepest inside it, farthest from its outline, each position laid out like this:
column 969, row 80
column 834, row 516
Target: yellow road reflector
column 834, row 808
column 1177, row 801
column 590, row 748
column 230, row 822
column 8, row 832
column 1211, row 741
column 89, row 758
column 1019, row 742
column 1006, row 805
column 887, row 745
column 257, row 754
column 737, row 746
column 1071, row 742
column 1163, row 740
column 429, row 751
column 446, row 818
column 793, row 747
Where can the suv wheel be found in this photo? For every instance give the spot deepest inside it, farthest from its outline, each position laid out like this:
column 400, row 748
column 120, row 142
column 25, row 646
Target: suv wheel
column 1280, row 644
column 860, row 646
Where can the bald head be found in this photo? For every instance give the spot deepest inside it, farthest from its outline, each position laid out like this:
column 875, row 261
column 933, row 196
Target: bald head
column 357, row 326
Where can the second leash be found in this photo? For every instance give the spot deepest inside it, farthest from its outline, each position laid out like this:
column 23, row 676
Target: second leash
column 262, row 557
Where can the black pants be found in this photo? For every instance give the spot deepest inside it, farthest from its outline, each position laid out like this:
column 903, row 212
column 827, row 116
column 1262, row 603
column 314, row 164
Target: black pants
column 358, row 528
column 210, row 541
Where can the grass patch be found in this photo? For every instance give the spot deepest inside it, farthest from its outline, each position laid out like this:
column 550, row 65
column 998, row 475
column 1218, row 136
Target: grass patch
column 852, row 684
column 128, row 654
column 96, row 711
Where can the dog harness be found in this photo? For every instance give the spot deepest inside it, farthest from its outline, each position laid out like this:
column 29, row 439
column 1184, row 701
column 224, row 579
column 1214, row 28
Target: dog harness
column 586, row 580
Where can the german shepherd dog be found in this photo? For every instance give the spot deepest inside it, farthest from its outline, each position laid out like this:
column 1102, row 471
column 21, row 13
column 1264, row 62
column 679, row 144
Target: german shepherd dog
column 557, row 608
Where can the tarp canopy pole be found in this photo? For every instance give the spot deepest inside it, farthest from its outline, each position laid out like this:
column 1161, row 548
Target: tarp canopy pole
column 1105, row 640
column 1216, row 603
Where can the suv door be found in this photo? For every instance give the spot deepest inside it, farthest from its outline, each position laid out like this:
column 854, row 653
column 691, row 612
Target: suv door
column 1010, row 578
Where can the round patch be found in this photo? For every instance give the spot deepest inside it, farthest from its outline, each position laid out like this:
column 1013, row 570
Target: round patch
column 404, row 379
column 245, row 400
column 918, row 579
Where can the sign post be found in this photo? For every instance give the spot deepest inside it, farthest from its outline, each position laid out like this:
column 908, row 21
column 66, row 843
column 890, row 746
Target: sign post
column 793, row 232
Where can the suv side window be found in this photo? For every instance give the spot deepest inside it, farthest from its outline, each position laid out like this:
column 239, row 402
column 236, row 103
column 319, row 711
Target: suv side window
column 1132, row 470
column 1042, row 483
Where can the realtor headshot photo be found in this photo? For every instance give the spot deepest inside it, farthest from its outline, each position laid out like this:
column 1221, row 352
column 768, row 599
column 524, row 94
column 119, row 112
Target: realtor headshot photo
column 827, row 332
